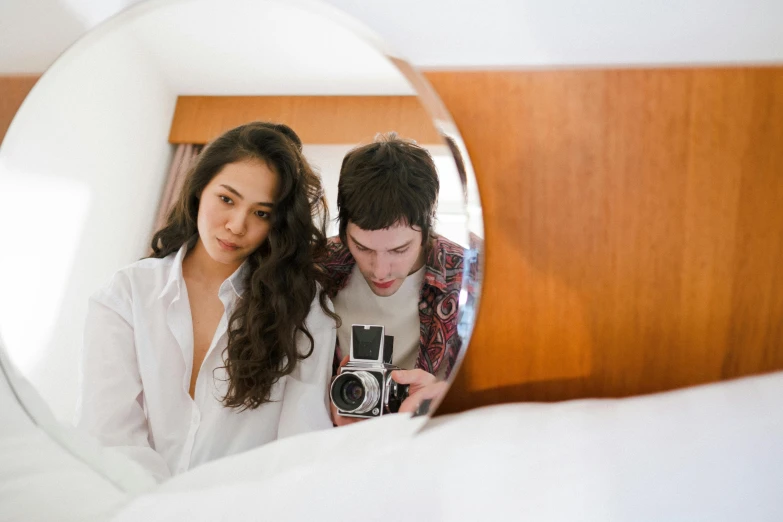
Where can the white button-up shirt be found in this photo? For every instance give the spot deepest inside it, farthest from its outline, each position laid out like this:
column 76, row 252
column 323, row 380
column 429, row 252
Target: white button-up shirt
column 137, row 363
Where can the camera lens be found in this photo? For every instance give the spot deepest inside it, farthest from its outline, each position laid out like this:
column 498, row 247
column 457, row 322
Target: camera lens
column 355, row 392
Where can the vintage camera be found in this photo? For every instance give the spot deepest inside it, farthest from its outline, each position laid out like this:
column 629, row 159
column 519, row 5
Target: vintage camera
column 364, row 387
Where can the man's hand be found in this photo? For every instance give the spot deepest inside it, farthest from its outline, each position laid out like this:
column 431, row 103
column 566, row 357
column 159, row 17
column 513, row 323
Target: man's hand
column 423, row 386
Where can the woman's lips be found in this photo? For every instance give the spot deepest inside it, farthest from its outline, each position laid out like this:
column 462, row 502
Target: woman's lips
column 225, row 245
column 384, row 285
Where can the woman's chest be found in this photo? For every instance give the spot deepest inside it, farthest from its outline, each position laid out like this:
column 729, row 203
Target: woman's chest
column 206, row 311
column 176, row 337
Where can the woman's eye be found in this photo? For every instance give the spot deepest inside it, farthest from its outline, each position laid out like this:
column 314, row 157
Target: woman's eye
column 262, row 214
column 225, row 199
column 400, row 251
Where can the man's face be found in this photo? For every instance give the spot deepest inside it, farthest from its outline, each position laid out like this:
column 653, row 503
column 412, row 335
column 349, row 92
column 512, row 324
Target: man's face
column 385, row 257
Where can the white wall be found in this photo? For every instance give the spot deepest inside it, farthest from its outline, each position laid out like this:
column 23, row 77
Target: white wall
column 263, row 48
column 466, row 33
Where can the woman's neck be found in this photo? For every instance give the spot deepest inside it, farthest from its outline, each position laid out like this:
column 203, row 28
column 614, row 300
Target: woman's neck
column 199, row 266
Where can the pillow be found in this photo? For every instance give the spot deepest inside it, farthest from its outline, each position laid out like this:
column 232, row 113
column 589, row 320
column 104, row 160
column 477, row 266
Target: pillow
column 49, row 470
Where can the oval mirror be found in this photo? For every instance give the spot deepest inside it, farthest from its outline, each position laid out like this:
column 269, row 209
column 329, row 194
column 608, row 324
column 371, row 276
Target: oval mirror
column 168, row 118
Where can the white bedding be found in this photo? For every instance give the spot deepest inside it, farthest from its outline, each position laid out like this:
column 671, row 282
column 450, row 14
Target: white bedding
column 48, row 469
column 707, row 453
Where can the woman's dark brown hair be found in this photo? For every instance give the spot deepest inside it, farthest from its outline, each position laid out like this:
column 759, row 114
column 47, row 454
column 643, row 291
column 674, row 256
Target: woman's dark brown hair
column 282, row 280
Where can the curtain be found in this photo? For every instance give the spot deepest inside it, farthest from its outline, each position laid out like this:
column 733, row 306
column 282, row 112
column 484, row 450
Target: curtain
column 184, row 158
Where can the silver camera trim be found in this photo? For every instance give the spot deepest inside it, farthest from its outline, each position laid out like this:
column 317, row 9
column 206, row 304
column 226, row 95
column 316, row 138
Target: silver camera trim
column 372, row 391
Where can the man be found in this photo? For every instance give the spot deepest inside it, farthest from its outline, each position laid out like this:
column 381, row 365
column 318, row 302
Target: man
column 387, row 266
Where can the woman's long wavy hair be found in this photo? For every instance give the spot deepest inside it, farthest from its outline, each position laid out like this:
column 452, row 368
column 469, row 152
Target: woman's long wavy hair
column 282, row 280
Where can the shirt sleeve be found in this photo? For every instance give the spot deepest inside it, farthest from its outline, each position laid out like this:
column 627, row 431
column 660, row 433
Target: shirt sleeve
column 306, row 396
column 111, row 395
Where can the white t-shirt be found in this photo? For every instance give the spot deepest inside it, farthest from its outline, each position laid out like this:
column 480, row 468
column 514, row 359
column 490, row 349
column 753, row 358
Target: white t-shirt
column 137, row 363
column 398, row 313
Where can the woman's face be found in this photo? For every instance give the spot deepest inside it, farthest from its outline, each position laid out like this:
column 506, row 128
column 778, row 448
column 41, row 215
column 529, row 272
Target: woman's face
column 235, row 210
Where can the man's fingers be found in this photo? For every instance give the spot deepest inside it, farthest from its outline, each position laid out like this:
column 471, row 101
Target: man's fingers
column 411, row 404
column 339, row 420
column 434, row 390
column 414, row 377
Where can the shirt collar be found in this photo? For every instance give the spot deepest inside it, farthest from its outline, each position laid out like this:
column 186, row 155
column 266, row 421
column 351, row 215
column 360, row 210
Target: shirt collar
column 175, row 274
column 435, row 274
column 236, row 281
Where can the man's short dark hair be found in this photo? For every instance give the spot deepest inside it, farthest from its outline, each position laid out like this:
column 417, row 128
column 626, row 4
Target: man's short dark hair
column 388, row 182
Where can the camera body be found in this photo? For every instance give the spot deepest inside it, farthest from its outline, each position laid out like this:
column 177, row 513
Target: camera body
column 364, row 388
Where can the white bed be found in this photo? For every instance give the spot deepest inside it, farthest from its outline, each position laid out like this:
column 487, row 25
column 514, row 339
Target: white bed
column 707, row 453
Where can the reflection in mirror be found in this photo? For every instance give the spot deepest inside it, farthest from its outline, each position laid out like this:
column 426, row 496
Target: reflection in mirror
column 213, row 152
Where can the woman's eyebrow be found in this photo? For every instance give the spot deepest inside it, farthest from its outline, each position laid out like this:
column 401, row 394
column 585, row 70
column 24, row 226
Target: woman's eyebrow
column 240, row 196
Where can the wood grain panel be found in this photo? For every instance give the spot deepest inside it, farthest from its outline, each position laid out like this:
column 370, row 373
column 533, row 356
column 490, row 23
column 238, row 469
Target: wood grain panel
column 634, row 229
column 317, row 119
column 13, row 90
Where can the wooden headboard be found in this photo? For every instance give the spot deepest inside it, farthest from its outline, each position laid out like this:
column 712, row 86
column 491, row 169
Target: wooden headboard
column 634, row 229
column 13, row 90
column 633, row 224
column 316, row 119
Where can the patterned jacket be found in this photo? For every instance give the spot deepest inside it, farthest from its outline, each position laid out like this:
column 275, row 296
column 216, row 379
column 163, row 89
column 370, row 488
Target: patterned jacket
column 438, row 299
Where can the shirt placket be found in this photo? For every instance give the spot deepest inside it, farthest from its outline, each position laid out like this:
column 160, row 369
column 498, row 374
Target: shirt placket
column 200, row 391
column 179, row 311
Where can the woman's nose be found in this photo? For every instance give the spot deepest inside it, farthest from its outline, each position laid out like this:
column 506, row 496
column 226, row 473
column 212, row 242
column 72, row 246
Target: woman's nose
column 236, row 224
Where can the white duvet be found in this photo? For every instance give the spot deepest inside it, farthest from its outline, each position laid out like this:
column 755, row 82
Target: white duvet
column 709, row 453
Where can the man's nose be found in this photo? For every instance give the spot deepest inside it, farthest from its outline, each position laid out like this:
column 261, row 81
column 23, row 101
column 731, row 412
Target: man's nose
column 382, row 267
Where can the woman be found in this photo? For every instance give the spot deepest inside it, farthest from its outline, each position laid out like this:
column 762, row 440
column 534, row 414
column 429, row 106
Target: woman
column 222, row 340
